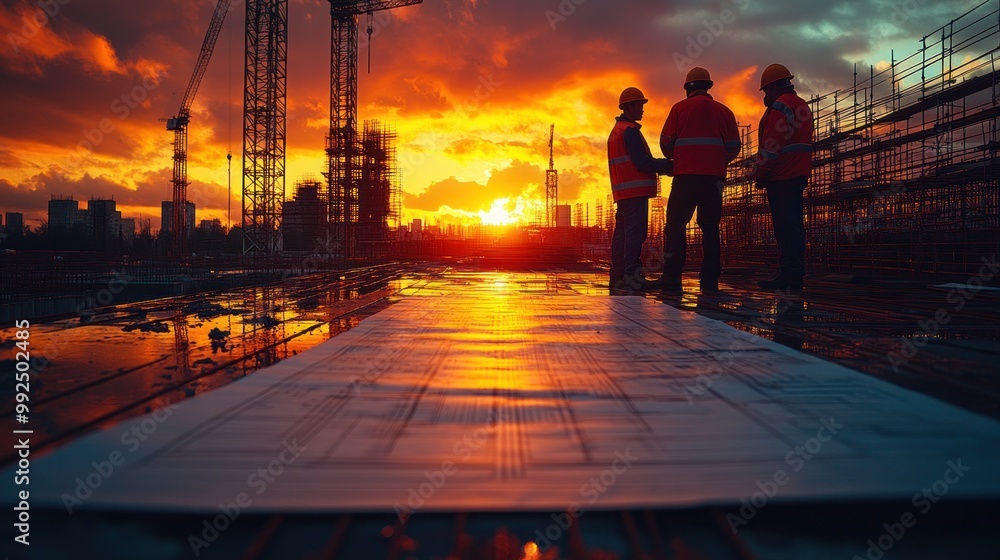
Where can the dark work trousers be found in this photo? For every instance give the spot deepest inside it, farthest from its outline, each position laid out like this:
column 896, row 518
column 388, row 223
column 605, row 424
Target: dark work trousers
column 785, row 198
column 689, row 192
column 631, row 225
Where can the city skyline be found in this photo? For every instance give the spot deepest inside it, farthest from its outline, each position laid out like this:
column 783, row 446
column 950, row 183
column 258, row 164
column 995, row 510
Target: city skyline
column 89, row 83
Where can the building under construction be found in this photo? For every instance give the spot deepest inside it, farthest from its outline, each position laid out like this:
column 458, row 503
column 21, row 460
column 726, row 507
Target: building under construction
column 362, row 215
column 905, row 166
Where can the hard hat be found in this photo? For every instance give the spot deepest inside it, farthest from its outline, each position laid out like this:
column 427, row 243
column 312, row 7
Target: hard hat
column 629, row 95
column 697, row 74
column 773, row 73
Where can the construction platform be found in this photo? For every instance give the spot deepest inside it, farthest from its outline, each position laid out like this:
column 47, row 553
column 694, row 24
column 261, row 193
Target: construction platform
column 529, row 399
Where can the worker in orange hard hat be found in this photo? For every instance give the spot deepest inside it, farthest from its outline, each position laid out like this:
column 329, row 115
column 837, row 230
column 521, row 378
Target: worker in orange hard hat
column 633, row 171
column 701, row 136
column 782, row 167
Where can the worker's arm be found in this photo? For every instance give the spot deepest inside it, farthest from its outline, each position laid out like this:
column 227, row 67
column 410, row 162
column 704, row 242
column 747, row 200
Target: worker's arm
column 772, row 140
column 731, row 137
column 644, row 161
column 669, row 134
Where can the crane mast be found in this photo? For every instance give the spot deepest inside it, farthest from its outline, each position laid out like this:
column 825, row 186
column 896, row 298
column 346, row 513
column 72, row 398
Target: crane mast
column 179, row 124
column 342, row 146
column 551, row 184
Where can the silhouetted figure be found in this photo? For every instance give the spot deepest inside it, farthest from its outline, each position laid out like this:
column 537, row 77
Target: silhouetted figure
column 784, row 160
column 633, row 171
column 701, row 137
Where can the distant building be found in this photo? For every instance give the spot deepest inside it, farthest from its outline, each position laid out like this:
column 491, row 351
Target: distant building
column 167, row 217
column 210, row 228
column 15, row 224
column 65, row 215
column 303, row 218
column 416, row 229
column 128, row 231
column 563, row 215
column 105, row 223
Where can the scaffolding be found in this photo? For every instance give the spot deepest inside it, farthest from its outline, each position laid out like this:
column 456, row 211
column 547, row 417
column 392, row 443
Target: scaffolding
column 264, row 114
column 905, row 170
column 378, row 200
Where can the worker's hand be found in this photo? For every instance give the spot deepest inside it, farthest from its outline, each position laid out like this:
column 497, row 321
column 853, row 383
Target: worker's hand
column 669, row 168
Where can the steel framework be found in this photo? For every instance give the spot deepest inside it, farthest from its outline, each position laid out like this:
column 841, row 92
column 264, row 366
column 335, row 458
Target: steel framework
column 343, row 150
column 179, row 125
column 551, row 184
column 264, row 125
column 905, row 165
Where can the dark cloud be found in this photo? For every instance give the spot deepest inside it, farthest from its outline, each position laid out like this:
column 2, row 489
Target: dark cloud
column 447, row 59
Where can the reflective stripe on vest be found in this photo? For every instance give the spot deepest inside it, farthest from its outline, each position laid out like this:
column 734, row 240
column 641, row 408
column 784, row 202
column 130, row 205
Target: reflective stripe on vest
column 626, row 180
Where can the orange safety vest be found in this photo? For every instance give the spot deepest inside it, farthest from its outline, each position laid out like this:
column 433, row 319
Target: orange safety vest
column 701, row 136
column 785, row 137
column 626, row 180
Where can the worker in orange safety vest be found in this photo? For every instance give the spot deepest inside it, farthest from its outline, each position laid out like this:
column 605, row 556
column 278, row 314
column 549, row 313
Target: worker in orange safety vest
column 633, row 171
column 701, row 136
column 782, row 166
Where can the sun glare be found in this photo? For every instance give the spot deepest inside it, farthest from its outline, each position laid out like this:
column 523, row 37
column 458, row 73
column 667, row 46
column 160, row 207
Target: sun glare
column 499, row 213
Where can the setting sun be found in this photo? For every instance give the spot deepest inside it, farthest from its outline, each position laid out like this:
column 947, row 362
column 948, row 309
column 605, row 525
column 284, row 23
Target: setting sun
column 506, row 212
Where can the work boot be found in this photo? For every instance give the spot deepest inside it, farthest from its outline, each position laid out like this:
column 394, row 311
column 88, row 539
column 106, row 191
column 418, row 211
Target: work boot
column 709, row 285
column 780, row 282
column 666, row 284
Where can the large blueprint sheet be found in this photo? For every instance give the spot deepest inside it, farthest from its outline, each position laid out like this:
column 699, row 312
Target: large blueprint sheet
column 486, row 398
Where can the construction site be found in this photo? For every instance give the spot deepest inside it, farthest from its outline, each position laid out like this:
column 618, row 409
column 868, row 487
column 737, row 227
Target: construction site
column 341, row 386
column 905, row 167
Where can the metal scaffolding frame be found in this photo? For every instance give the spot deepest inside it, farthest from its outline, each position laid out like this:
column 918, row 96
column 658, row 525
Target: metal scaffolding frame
column 378, row 188
column 264, row 125
column 905, row 170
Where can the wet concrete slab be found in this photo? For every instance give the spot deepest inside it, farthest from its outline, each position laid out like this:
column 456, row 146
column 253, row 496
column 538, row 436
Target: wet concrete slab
column 508, row 392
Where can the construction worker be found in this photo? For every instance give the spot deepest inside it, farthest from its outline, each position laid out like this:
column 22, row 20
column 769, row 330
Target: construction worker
column 701, row 136
column 633, row 171
column 782, row 166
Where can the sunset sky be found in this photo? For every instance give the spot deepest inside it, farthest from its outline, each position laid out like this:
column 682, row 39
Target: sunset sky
column 471, row 87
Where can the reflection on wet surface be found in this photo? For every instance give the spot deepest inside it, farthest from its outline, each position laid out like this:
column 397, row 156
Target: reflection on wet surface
column 138, row 357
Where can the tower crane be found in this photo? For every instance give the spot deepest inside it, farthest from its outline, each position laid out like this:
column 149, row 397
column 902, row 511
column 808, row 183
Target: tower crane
column 179, row 125
column 551, row 184
column 342, row 149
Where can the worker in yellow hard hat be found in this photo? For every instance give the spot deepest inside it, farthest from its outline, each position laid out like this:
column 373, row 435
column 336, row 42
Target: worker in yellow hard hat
column 633, row 171
column 782, row 167
column 701, row 136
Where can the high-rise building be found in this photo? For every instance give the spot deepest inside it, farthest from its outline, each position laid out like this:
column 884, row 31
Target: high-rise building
column 15, row 224
column 128, row 230
column 65, row 214
column 105, row 223
column 167, row 217
column 303, row 218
